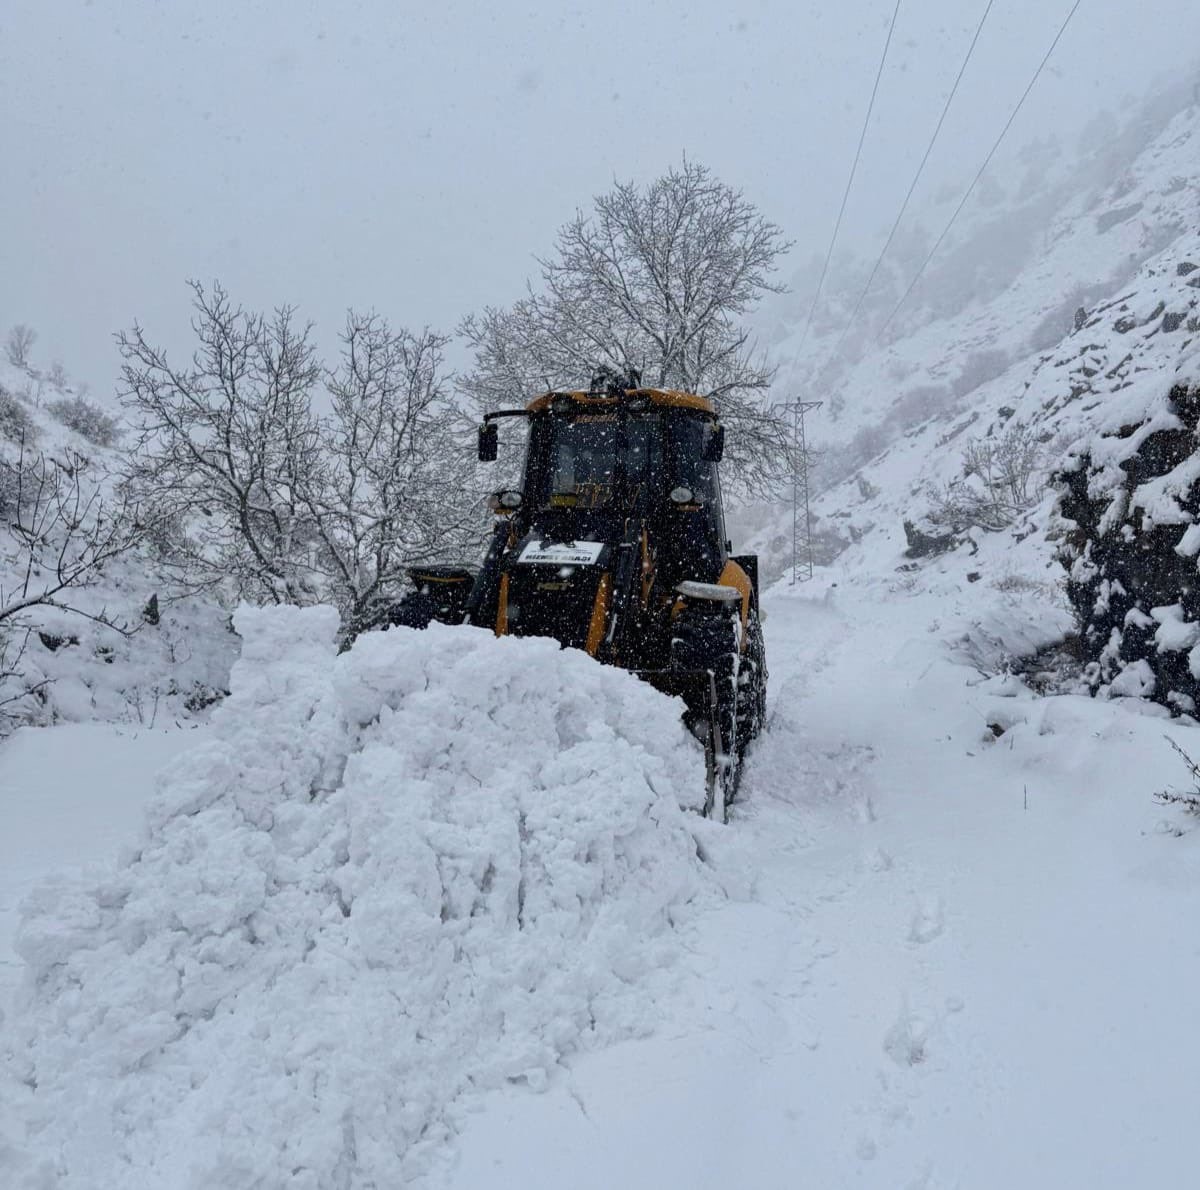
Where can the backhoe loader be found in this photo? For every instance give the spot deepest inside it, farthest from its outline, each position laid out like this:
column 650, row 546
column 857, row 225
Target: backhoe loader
column 615, row 544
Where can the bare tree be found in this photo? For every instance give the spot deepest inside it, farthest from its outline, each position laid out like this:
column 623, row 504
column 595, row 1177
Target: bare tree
column 288, row 505
column 63, row 530
column 392, row 491
column 655, row 279
column 19, row 344
column 223, row 445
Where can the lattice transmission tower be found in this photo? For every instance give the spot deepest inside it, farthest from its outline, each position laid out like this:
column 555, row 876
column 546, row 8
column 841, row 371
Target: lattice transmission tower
column 802, row 543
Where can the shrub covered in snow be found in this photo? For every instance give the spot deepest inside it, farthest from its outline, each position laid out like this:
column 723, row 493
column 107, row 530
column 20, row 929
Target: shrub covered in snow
column 90, row 421
column 432, row 864
column 1002, row 477
column 19, row 345
column 75, row 669
column 1133, row 500
column 16, row 422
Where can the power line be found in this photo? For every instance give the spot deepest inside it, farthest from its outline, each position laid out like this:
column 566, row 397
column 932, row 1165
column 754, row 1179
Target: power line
column 850, row 180
column 916, row 178
column 986, row 162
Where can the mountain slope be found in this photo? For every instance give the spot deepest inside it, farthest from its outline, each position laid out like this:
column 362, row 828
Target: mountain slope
column 905, row 412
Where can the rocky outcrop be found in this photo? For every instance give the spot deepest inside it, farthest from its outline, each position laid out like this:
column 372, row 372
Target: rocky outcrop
column 1132, row 548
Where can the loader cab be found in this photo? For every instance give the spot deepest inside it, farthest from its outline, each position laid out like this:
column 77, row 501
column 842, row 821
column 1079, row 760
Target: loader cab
column 594, row 466
column 617, row 525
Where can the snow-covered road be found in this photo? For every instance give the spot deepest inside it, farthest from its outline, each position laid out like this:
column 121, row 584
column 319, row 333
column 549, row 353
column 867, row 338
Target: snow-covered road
column 962, row 962
column 947, row 958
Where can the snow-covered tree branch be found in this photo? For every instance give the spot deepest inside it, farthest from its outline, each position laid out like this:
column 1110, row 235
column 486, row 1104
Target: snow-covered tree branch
column 220, row 442
column 288, row 504
column 655, row 279
column 391, row 490
column 62, row 531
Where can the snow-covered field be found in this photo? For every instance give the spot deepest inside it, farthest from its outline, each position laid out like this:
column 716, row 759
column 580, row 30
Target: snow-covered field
column 920, row 955
column 70, row 795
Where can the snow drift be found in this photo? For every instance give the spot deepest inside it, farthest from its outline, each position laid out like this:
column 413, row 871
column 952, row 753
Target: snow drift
column 430, row 865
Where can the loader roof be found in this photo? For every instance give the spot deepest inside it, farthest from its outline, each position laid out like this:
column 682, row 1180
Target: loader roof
column 656, row 396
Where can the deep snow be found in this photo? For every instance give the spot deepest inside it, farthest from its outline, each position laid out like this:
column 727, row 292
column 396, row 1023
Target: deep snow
column 71, row 795
column 964, row 961
column 946, row 958
column 427, row 867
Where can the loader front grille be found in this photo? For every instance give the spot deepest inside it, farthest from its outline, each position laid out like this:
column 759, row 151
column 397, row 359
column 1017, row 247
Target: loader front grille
column 544, row 602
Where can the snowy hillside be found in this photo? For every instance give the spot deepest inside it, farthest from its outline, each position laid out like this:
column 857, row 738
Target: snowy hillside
column 1096, row 329
column 159, row 663
column 1027, row 196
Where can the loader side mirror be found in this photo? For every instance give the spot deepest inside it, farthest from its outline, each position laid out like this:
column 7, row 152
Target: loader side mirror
column 714, row 446
column 489, row 442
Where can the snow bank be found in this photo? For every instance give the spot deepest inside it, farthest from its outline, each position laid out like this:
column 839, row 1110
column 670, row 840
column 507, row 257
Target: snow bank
column 430, row 865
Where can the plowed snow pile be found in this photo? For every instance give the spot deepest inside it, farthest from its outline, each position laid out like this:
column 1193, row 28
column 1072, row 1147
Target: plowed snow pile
column 430, row 865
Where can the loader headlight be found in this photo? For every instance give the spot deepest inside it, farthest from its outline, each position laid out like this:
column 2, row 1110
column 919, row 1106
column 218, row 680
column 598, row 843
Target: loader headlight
column 505, row 500
column 682, row 495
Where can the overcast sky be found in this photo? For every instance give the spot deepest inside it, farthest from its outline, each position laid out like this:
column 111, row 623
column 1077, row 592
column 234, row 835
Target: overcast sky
column 414, row 156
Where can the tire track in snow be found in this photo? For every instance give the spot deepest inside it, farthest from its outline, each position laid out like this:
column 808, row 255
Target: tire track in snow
column 811, row 798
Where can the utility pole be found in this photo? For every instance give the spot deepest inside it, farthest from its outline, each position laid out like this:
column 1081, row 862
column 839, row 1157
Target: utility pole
column 802, row 549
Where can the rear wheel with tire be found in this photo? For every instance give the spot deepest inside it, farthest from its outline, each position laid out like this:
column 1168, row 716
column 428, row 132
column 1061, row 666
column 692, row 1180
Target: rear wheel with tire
column 752, row 684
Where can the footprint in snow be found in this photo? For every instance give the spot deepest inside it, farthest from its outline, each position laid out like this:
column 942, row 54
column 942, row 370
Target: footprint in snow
column 905, row 1041
column 928, row 922
column 877, row 860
